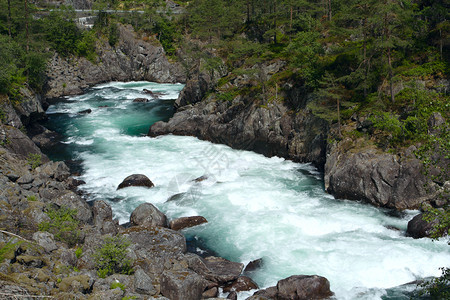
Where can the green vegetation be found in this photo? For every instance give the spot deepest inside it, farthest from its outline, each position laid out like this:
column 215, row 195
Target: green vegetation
column 111, row 257
column 79, row 252
column 34, row 160
column 63, row 225
column 32, row 198
column 116, row 284
column 7, row 250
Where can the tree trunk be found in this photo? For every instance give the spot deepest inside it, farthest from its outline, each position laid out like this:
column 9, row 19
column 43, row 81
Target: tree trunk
column 365, row 57
column 339, row 116
column 26, row 26
column 290, row 21
column 391, row 88
column 275, row 22
column 9, row 18
column 329, row 10
column 248, row 11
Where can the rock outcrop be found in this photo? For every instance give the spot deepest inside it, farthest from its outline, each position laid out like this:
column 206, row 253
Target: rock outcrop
column 133, row 58
column 186, row 222
column 303, row 287
column 420, row 228
column 270, row 128
column 382, row 179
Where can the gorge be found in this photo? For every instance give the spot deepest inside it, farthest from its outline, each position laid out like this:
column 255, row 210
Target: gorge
column 237, row 125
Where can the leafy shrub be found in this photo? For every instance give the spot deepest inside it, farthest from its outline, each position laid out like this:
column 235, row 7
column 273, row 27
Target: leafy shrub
column 32, row 198
column 34, row 160
column 79, row 252
column 111, row 257
column 63, row 225
column 116, row 284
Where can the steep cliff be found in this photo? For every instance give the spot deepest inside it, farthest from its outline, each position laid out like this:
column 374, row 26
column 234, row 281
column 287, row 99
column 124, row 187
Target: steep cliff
column 269, row 127
column 283, row 125
column 131, row 59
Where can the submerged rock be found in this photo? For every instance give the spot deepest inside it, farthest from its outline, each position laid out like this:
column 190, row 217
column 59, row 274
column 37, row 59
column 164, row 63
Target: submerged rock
column 136, row 180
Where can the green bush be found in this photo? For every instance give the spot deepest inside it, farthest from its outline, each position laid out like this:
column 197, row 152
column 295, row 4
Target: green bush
column 34, row 160
column 79, row 252
column 63, row 225
column 116, row 284
column 111, row 257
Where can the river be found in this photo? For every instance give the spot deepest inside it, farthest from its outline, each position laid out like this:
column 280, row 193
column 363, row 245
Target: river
column 256, row 207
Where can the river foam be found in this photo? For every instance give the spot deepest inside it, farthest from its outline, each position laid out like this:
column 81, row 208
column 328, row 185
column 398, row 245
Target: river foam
column 256, row 207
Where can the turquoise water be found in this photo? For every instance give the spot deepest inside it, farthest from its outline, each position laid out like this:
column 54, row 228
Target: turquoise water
column 256, row 207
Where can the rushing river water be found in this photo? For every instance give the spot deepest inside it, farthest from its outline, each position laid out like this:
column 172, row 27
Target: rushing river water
column 256, row 207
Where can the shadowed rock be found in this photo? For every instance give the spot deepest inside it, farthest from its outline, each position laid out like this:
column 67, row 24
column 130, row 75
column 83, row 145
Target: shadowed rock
column 215, row 269
column 140, row 100
column 86, row 111
column 186, row 222
column 243, row 283
column 253, row 265
column 136, row 180
column 419, row 228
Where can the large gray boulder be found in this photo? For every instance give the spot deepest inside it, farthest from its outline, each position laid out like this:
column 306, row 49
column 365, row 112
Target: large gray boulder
column 103, row 217
column 215, row 269
column 182, row 285
column 147, row 214
column 185, row 222
column 136, row 180
column 419, row 228
column 382, row 179
column 156, row 249
column 298, row 287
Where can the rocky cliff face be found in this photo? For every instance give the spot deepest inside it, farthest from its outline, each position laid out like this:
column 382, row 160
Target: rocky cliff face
column 131, row 59
column 352, row 169
column 357, row 172
column 270, row 128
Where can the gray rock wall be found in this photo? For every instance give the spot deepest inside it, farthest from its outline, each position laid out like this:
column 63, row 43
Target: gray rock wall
column 131, row 59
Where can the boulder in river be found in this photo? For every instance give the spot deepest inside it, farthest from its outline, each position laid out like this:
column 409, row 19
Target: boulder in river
column 243, row 283
column 419, row 228
column 148, row 215
column 136, row 180
column 140, row 100
column 215, row 269
column 299, row 287
column 86, row 111
column 186, row 222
